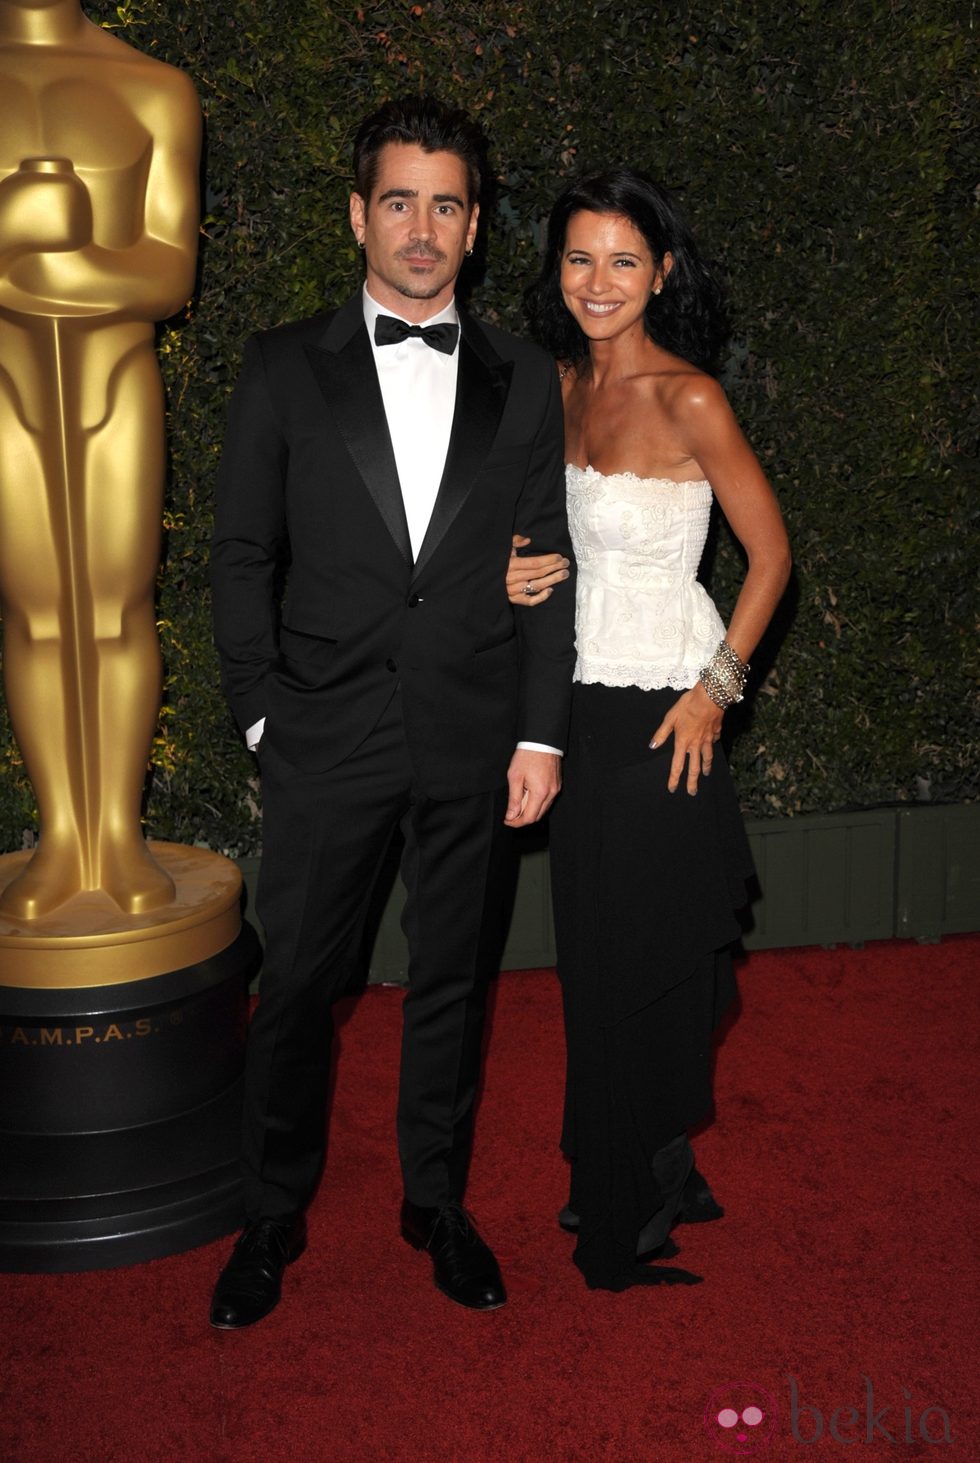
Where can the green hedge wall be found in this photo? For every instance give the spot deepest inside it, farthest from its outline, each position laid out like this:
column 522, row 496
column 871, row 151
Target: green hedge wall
column 822, row 154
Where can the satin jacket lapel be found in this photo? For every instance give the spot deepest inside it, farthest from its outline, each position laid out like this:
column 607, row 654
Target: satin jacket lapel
column 343, row 364
column 481, row 395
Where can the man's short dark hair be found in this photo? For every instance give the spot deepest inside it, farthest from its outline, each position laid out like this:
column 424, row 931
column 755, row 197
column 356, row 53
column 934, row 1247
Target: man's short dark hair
column 430, row 125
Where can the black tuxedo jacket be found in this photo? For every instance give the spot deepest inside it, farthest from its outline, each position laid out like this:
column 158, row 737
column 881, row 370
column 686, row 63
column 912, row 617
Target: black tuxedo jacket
column 308, row 497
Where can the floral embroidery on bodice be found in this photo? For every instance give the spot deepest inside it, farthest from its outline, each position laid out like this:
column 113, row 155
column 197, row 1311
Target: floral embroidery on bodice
column 642, row 618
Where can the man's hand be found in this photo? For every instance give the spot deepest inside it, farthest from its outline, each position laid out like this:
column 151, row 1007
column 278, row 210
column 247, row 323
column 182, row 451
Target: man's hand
column 534, row 780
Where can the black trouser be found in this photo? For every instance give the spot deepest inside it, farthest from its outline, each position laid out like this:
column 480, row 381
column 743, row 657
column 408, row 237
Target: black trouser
column 324, row 838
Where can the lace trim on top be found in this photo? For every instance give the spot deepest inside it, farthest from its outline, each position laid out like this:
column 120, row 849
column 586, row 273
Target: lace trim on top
column 642, row 619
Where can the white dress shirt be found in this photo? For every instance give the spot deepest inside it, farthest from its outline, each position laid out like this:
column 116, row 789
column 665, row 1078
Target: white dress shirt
column 418, row 388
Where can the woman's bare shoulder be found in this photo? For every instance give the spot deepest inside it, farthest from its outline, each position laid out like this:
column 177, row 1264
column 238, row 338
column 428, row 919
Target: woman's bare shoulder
column 690, row 395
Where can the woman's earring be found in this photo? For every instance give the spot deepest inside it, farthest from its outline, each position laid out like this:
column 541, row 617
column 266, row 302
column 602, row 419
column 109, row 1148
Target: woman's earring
column 360, row 243
column 469, row 253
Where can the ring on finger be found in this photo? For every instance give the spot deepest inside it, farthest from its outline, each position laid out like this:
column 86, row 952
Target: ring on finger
column 529, row 589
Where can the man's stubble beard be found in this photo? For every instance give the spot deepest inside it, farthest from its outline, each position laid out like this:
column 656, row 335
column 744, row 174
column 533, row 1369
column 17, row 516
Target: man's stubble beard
column 428, row 293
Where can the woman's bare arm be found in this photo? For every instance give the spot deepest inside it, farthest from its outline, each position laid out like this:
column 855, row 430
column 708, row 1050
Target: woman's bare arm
column 705, row 424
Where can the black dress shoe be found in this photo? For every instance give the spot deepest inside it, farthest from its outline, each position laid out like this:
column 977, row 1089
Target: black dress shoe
column 249, row 1286
column 464, row 1267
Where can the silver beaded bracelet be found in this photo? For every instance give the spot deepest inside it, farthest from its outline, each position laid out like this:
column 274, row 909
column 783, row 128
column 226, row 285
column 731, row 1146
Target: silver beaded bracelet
column 724, row 676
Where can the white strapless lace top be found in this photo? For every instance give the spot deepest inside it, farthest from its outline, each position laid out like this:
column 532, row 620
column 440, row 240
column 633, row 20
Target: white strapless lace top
column 642, row 618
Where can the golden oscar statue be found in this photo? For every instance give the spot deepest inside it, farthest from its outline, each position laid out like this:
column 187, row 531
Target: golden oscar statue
column 99, row 157
column 98, row 230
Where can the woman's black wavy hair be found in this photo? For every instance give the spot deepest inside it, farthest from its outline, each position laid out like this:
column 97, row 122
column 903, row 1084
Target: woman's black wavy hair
column 686, row 318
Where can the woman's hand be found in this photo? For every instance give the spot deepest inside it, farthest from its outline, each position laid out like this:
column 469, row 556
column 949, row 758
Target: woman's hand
column 530, row 580
column 695, row 721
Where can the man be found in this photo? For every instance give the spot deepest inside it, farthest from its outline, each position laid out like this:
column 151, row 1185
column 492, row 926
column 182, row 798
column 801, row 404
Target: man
column 387, row 452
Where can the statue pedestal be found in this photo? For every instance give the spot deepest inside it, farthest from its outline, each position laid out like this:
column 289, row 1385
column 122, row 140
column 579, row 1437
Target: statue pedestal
column 121, row 1056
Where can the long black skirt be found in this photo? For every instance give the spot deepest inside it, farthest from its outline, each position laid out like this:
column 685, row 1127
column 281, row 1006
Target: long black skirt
column 646, row 884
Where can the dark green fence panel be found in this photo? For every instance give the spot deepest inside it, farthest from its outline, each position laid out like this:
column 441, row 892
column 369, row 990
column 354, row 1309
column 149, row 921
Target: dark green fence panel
column 823, row 880
column 839, row 878
column 938, row 883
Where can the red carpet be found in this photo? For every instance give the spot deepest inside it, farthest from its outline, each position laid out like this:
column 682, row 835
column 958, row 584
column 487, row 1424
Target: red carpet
column 841, row 1151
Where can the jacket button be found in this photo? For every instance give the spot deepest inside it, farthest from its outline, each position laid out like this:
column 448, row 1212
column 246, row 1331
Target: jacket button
column 413, row 601
column 391, row 665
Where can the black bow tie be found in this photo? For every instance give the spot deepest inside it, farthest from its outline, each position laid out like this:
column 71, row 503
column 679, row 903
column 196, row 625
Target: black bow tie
column 389, row 331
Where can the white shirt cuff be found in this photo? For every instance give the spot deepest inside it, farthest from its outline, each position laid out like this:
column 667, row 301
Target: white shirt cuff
column 254, row 734
column 538, row 747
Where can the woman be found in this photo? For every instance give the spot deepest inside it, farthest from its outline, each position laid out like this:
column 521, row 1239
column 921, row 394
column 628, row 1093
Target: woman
column 649, row 855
